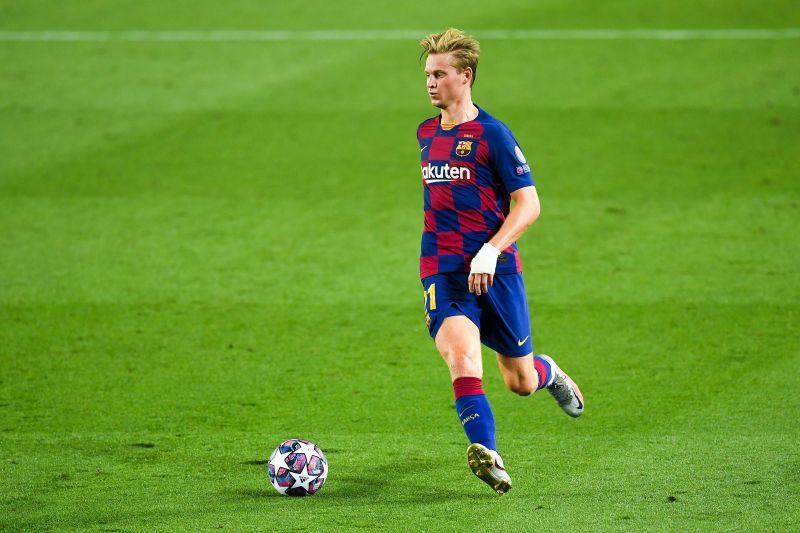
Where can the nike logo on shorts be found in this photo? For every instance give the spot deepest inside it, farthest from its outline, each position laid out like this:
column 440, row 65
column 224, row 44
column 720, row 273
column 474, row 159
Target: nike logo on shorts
column 520, row 343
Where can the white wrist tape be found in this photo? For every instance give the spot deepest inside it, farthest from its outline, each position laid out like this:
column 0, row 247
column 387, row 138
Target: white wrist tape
column 485, row 261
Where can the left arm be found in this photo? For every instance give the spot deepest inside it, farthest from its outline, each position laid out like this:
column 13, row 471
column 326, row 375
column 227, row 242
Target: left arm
column 524, row 213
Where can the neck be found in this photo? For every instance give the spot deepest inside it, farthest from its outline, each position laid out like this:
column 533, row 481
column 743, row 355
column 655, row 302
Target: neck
column 459, row 111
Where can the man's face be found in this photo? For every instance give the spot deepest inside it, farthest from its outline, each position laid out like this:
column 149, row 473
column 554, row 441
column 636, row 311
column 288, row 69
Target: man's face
column 445, row 83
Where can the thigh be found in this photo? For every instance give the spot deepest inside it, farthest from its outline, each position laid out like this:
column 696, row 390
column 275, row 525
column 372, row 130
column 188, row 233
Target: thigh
column 505, row 319
column 453, row 317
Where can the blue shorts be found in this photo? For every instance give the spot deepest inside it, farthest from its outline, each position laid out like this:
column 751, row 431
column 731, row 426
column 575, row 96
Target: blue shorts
column 501, row 315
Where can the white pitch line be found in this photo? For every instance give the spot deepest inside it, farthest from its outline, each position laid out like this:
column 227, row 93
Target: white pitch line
column 369, row 35
column 644, row 34
column 399, row 35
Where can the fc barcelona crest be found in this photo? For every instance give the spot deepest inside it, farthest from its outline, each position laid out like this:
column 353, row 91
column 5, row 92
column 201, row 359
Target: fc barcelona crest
column 464, row 148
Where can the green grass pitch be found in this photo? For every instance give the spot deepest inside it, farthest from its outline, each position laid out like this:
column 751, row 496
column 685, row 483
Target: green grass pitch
column 209, row 247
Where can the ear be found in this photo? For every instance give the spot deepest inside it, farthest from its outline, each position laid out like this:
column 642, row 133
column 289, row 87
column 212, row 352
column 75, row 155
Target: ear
column 468, row 74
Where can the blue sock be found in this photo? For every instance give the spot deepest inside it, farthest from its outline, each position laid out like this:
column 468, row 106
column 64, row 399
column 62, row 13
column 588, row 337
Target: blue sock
column 474, row 411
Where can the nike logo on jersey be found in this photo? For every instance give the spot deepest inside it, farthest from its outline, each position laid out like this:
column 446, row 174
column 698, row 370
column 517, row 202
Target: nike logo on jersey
column 520, row 343
column 423, row 148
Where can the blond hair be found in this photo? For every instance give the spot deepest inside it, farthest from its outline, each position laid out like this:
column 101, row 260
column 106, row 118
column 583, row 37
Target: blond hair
column 465, row 49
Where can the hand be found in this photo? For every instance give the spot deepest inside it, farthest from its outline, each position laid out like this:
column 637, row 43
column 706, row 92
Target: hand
column 480, row 283
column 481, row 275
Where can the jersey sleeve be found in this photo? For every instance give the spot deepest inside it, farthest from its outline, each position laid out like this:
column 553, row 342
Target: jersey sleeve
column 508, row 161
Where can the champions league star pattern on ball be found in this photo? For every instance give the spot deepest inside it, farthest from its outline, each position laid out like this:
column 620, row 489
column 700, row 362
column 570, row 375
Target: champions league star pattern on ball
column 297, row 468
column 468, row 173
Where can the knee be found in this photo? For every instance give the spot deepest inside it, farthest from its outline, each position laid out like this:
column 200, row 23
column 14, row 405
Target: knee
column 522, row 387
column 462, row 363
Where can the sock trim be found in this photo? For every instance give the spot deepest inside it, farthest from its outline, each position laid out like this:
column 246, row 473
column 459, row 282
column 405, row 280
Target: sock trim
column 544, row 370
column 467, row 386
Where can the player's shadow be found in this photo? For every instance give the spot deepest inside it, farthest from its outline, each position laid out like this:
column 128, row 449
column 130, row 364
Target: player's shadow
column 395, row 480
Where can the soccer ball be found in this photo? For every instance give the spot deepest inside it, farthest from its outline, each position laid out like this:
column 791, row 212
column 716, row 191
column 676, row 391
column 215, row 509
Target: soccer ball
column 297, row 468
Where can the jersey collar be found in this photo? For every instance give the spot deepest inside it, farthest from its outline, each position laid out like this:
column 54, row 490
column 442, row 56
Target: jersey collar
column 455, row 128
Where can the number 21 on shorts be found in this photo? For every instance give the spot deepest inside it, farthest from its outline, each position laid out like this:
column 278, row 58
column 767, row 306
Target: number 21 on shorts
column 429, row 296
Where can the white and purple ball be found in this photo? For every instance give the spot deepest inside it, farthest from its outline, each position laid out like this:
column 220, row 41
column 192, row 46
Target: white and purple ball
column 297, row 468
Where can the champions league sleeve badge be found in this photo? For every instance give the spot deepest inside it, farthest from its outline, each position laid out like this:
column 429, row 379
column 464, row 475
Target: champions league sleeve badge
column 519, row 155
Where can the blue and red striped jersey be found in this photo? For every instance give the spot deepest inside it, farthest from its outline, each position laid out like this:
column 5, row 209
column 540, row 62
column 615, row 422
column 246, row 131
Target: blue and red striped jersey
column 468, row 173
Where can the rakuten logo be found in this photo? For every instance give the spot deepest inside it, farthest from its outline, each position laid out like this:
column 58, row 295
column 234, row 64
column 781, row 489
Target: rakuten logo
column 436, row 173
